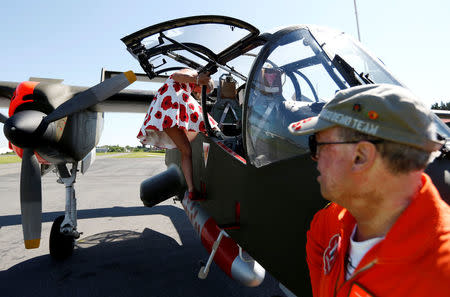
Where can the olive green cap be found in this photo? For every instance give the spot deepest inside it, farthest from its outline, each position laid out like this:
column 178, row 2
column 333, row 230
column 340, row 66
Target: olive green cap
column 382, row 110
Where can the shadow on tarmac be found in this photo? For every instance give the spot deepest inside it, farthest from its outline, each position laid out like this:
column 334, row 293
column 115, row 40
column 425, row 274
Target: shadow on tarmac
column 116, row 211
column 127, row 263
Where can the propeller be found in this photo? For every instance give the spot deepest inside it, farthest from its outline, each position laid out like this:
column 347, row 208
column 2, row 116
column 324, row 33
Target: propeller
column 92, row 96
column 3, row 118
column 31, row 129
column 88, row 98
column 31, row 199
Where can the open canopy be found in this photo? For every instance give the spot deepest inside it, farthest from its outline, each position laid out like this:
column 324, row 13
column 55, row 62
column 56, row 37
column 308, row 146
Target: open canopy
column 199, row 42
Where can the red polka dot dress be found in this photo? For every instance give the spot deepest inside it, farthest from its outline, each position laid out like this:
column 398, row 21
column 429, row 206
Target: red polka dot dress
column 172, row 106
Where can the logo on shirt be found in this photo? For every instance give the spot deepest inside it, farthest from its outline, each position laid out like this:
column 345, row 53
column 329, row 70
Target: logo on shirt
column 330, row 254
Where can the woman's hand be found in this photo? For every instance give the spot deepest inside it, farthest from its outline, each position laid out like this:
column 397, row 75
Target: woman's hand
column 191, row 76
column 203, row 79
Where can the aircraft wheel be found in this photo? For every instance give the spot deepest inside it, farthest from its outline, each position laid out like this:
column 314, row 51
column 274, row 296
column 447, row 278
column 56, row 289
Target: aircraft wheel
column 61, row 246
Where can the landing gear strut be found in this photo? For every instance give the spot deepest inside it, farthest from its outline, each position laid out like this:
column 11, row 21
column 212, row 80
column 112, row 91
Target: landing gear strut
column 64, row 228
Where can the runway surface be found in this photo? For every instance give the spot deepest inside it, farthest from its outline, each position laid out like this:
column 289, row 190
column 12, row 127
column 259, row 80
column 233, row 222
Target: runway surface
column 125, row 249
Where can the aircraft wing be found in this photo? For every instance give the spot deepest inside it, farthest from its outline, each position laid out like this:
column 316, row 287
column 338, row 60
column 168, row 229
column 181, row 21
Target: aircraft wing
column 124, row 101
column 6, row 91
column 127, row 100
column 443, row 114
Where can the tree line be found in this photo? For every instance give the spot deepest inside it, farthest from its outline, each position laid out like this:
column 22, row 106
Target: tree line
column 127, row 149
column 441, row 106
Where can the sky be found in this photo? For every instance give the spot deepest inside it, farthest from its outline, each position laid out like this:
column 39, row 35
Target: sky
column 73, row 40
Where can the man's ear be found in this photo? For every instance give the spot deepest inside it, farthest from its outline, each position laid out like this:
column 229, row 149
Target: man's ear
column 364, row 156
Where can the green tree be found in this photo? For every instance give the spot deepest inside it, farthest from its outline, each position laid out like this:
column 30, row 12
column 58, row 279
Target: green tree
column 140, row 149
column 116, row 149
column 441, row 106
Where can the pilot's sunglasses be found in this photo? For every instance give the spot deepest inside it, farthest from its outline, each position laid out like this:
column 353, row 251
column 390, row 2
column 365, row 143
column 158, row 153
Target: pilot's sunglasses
column 313, row 144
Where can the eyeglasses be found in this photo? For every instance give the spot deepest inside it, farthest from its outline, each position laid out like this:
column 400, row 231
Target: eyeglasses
column 313, row 144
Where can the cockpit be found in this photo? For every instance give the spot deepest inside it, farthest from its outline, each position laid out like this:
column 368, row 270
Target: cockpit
column 303, row 68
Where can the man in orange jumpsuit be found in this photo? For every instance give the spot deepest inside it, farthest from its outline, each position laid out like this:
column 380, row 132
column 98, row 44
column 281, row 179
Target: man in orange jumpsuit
column 386, row 231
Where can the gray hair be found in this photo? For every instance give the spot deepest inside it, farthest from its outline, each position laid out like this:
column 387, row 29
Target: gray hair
column 400, row 158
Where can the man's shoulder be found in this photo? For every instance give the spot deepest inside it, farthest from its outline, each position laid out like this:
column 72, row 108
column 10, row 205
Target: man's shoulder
column 441, row 256
column 436, row 257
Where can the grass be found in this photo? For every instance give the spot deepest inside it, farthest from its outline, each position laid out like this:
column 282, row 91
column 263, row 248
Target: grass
column 10, row 158
column 103, row 154
column 139, row 155
column 7, row 158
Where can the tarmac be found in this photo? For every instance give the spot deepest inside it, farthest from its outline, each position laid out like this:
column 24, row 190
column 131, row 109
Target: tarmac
column 126, row 249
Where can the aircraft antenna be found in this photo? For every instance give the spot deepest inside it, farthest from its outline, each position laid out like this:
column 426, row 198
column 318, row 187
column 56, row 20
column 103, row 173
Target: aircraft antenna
column 357, row 22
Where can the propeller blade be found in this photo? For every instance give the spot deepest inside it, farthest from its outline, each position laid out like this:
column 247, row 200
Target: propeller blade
column 92, row 96
column 3, row 118
column 31, row 199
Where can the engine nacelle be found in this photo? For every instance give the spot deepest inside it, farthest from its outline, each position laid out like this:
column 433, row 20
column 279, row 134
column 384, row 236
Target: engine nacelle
column 162, row 186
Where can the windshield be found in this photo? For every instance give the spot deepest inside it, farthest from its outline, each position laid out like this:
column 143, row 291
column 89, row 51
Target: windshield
column 338, row 43
column 296, row 74
column 443, row 129
column 293, row 78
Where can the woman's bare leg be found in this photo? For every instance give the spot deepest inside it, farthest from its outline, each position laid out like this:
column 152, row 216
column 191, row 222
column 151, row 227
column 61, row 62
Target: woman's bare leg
column 180, row 139
column 191, row 135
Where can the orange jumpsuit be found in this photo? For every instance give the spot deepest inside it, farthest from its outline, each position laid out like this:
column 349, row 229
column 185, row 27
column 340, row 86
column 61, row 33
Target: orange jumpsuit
column 412, row 260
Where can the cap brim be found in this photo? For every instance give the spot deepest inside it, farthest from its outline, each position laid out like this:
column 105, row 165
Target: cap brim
column 309, row 126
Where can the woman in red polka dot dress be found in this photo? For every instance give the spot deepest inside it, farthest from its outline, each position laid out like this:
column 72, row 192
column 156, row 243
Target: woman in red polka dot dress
column 174, row 118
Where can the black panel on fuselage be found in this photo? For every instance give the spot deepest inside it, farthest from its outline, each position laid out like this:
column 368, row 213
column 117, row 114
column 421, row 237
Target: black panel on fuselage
column 82, row 133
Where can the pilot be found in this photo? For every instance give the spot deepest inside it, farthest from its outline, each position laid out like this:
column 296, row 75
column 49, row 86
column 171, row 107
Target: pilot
column 174, row 118
column 264, row 114
column 386, row 231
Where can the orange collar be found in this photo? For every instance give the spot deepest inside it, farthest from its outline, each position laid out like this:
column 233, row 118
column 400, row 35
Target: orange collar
column 416, row 231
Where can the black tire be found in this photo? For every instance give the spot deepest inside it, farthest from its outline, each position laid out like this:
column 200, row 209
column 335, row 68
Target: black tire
column 61, row 246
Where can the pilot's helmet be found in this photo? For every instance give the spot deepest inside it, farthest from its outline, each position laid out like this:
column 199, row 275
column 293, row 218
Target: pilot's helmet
column 270, row 80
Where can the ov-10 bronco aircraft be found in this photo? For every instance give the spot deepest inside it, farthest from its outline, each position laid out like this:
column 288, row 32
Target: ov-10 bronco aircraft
column 257, row 179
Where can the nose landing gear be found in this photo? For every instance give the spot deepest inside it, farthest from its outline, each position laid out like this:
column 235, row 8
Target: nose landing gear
column 64, row 228
column 61, row 245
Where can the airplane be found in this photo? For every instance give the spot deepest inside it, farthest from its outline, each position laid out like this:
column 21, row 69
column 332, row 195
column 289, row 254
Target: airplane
column 257, row 180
